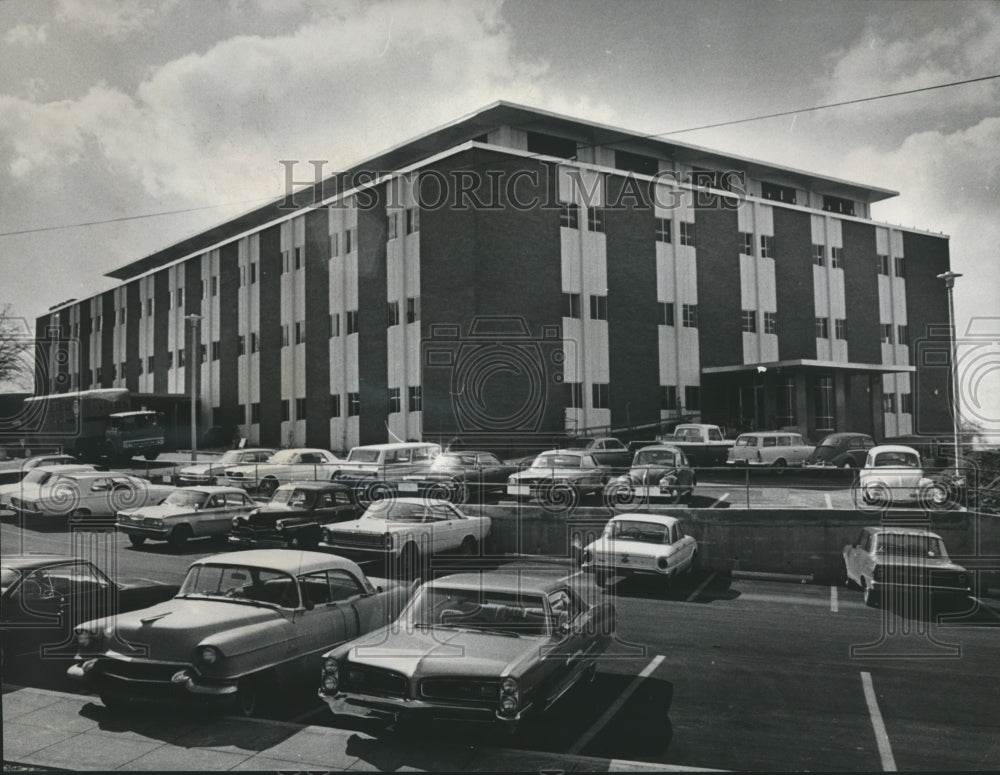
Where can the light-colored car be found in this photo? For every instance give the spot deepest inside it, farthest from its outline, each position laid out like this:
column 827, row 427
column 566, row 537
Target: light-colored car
column 559, row 475
column 284, row 466
column 190, row 512
column 769, row 448
column 36, row 477
column 641, row 544
column 15, row 470
column 244, row 628
column 86, row 494
column 206, row 473
column 405, row 530
column 658, row 472
column 893, row 474
column 490, row 647
column 371, row 468
column 893, row 561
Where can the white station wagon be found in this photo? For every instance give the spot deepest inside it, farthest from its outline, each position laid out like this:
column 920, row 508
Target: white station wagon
column 640, row 544
column 770, row 448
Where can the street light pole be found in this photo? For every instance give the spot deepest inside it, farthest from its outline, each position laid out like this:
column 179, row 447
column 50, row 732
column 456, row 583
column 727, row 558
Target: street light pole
column 192, row 366
column 949, row 283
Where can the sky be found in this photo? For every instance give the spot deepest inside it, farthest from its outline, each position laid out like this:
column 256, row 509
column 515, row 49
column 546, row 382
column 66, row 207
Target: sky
column 151, row 121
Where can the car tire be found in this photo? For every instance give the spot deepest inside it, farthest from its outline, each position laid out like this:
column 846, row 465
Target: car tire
column 469, row 547
column 267, row 487
column 935, row 497
column 779, row 465
column 460, row 493
column 251, row 696
column 179, row 536
column 136, row 541
column 871, row 598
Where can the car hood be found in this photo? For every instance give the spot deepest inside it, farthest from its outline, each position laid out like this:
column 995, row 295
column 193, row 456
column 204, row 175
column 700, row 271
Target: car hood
column 161, row 511
column 444, row 651
column 651, row 473
column 538, row 474
column 369, row 525
column 198, row 469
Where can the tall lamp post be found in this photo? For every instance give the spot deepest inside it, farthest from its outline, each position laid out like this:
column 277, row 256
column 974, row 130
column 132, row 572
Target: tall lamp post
column 949, row 283
column 192, row 366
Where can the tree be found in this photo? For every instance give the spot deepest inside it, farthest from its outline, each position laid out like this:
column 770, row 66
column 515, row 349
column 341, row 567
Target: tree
column 16, row 350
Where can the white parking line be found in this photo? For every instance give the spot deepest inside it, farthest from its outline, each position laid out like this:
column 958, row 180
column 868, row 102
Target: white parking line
column 829, row 502
column 598, row 725
column 881, row 736
column 719, row 500
column 833, row 599
column 700, row 589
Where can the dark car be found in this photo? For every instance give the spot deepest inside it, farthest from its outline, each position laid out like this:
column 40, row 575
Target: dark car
column 295, row 515
column 841, row 450
column 458, row 476
column 43, row 596
column 659, row 471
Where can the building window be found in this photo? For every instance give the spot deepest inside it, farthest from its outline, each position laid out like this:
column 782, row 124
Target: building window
column 254, row 342
column 392, row 318
column 692, row 398
column 353, row 404
column 255, row 413
column 746, row 243
column 823, row 395
column 214, row 285
column 170, row 359
column 416, row 396
column 300, row 409
column 253, row 272
column 572, row 304
column 599, row 395
column 668, row 397
column 689, row 315
column 766, row 246
column 840, row 328
column 883, row 265
column 285, row 416
column 392, row 225
column 903, row 335
column 180, row 298
column 664, row 230
column 121, row 370
column 785, row 402
column 300, row 331
column 352, row 322
column 299, row 253
column 97, row 321
column 149, row 364
column 394, row 400
column 900, row 266
column 595, row 219
column 777, row 193
column 687, row 233
column 569, row 215
column 748, row 321
column 770, row 322
column 598, row 307
column 575, row 395
column 906, row 403
column 334, row 245
column 284, row 335
column 837, row 258
column 412, row 220
column 836, row 204
column 335, row 405
column 97, row 376
column 348, row 240
column 412, row 309
column 886, row 332
column 215, row 349
column 203, row 353
column 819, row 255
column 149, row 307
column 121, row 315
column 822, row 328
column 241, row 347
column 666, row 313
column 333, row 325
column 889, row 403
column 139, row 371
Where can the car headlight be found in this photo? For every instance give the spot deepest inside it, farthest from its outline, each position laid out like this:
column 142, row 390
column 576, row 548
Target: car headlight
column 509, row 685
column 331, row 675
column 511, row 480
column 209, row 655
column 388, row 540
column 662, row 562
column 508, row 703
column 279, row 525
column 154, row 522
column 236, row 521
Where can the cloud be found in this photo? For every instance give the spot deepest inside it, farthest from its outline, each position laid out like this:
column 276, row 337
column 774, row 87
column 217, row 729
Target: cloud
column 27, row 34
column 111, row 18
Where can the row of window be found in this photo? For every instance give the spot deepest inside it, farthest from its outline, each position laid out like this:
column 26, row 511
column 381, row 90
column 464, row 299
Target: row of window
column 905, row 403
column 412, row 311
column 899, row 265
column 902, row 334
column 823, row 328
column 569, row 217
column 337, row 402
column 411, row 222
column 600, row 396
column 748, row 322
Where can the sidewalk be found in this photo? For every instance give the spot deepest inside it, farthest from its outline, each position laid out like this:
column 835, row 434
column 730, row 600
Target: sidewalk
column 48, row 729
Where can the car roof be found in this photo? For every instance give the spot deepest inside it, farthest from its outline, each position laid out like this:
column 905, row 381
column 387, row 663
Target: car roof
column 467, row 452
column 414, row 501
column 314, row 486
column 287, row 560
column 252, row 449
column 397, row 445
column 643, row 516
column 305, row 449
column 771, row 433
column 66, row 468
column 575, row 452
column 892, row 448
column 882, row 530
column 500, row 581
column 76, row 474
column 133, row 414
column 847, row 435
column 32, row 561
column 659, row 448
column 212, row 489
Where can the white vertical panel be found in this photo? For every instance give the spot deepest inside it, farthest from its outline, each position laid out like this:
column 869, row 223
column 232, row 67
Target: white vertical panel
column 748, row 282
column 817, row 224
column 764, row 217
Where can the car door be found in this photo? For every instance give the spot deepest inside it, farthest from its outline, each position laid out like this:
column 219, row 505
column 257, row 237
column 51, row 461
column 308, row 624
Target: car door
column 325, row 620
column 853, row 556
column 446, row 527
column 492, row 472
column 574, row 623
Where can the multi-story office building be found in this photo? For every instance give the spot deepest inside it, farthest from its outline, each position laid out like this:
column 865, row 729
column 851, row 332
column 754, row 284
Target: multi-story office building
column 518, row 274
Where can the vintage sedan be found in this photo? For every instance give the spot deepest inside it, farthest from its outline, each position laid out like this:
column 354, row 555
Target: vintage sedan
column 15, row 470
column 84, row 495
column 458, row 477
column 244, row 628
column 559, row 476
column 42, row 596
column 840, row 450
column 295, row 515
column 372, row 467
column 284, row 466
column 641, row 544
column 658, row 472
column 889, row 562
column 36, row 477
column 208, row 472
column 404, row 531
column 491, row 647
column 190, row 512
column 893, row 474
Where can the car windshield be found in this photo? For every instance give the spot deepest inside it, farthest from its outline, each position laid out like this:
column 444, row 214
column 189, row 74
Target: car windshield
column 283, row 457
column 638, row 530
column 480, row 609
column 8, row 576
column 36, row 476
column 746, row 441
column 231, row 457
column 655, row 457
column 242, row 584
column 395, row 511
column 830, row 441
column 290, row 496
column 189, row 498
column 557, row 461
column 453, row 460
column 911, row 545
column 897, row 459
column 363, row 456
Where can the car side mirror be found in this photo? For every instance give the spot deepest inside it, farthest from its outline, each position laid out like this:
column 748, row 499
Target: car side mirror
column 563, row 629
column 308, row 604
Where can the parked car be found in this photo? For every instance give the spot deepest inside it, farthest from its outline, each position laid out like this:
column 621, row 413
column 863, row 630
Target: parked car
column 190, row 512
column 43, row 596
column 402, row 531
column 244, row 628
column 372, row 467
column 36, row 477
column 458, row 476
column 518, row 643
column 840, row 450
column 207, row 473
column 892, row 474
column 898, row 560
column 12, row 471
column 702, row 443
column 641, row 544
column 559, row 476
column 769, row 448
column 82, row 495
column 658, row 472
column 294, row 516
column 606, row 450
column 284, row 466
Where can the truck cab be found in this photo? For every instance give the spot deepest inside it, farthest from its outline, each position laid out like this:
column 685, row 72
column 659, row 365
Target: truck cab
column 134, row 433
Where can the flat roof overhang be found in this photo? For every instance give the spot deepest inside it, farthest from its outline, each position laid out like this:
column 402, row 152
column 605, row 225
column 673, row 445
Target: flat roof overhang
column 806, row 363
